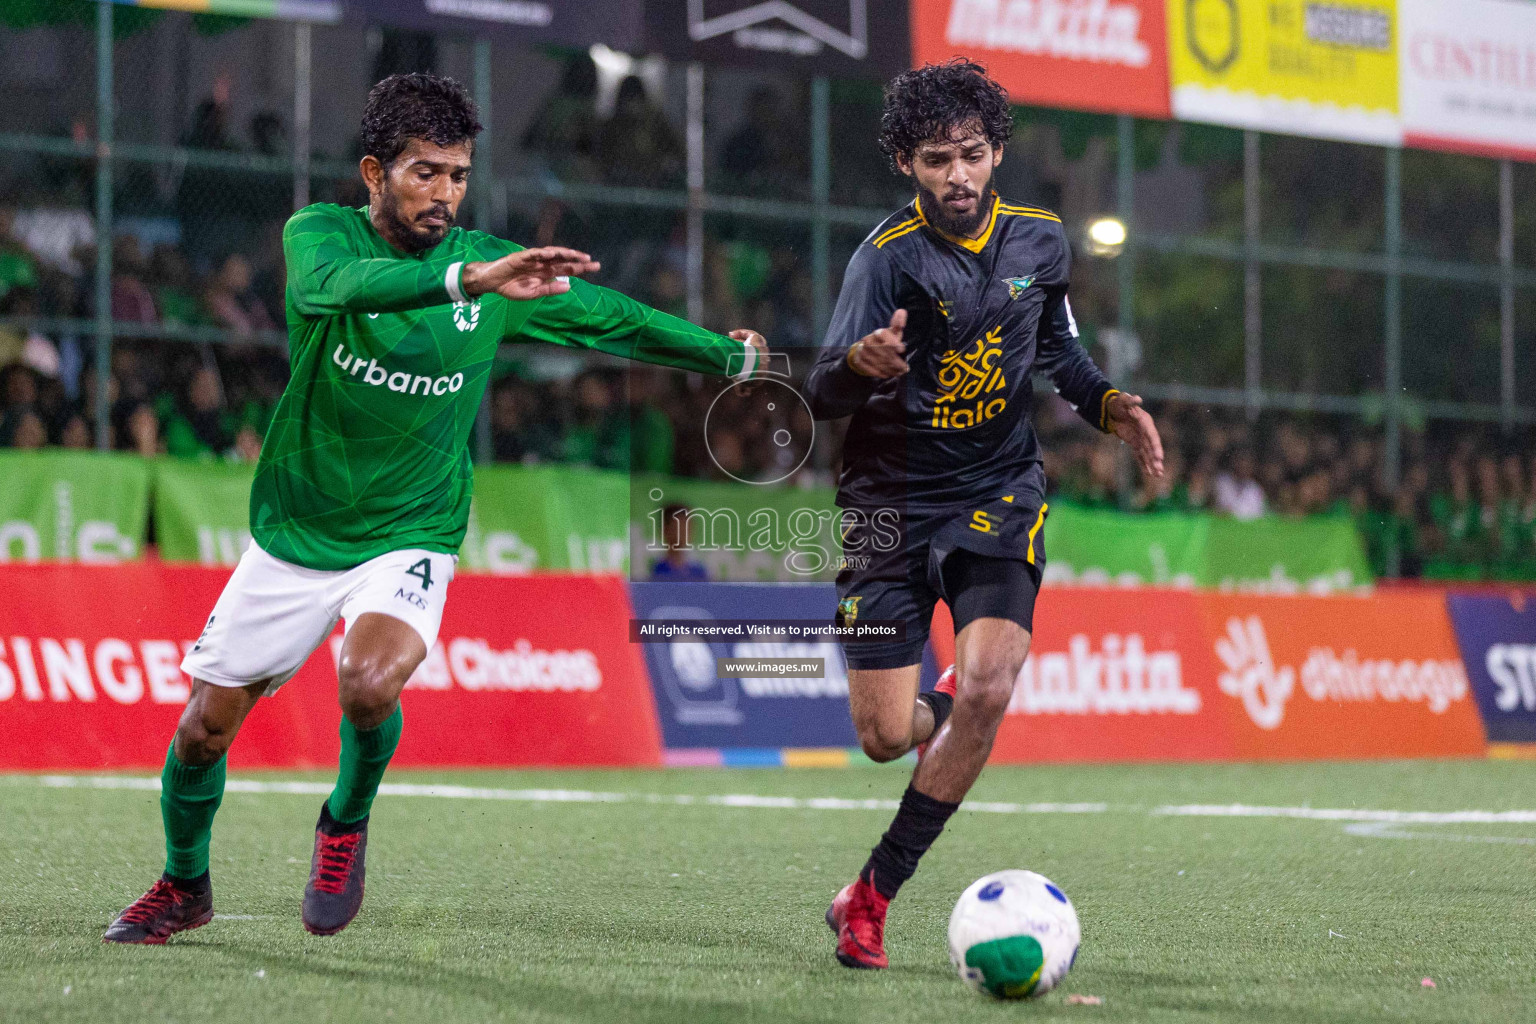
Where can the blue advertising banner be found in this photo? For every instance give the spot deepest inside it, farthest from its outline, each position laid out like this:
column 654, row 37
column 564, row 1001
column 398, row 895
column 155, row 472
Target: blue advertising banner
column 1497, row 636
column 700, row 710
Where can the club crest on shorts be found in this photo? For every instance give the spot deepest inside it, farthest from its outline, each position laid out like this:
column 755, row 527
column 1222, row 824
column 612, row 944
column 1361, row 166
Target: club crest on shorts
column 848, row 610
column 1018, row 285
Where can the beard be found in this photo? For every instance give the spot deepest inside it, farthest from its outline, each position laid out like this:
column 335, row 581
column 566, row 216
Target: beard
column 407, row 234
column 940, row 216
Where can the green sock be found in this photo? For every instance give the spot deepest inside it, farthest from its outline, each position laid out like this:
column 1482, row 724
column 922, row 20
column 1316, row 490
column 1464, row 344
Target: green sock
column 189, row 798
column 364, row 756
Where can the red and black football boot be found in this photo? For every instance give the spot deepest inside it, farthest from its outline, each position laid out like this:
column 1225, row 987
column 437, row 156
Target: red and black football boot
column 162, row 912
column 857, row 917
column 335, row 890
column 946, row 684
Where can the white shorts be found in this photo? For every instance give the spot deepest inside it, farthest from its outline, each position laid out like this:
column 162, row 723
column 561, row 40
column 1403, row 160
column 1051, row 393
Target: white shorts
column 272, row 614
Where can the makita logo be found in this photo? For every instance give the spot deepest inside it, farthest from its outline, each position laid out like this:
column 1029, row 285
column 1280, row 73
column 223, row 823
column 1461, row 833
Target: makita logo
column 1104, row 31
column 372, row 373
column 1121, row 677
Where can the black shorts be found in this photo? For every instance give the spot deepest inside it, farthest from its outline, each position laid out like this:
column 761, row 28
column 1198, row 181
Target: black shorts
column 985, row 562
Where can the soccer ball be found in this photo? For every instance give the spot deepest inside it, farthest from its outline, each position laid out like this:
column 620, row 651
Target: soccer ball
column 1013, row 935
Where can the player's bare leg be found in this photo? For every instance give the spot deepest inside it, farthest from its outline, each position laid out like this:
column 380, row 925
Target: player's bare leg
column 988, row 656
column 377, row 659
column 989, row 652
column 192, row 786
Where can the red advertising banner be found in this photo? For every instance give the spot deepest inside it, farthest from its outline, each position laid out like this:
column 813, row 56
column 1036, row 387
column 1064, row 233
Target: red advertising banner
column 1112, row 675
column 1117, row 675
column 527, row 671
column 1326, row 677
column 1101, row 55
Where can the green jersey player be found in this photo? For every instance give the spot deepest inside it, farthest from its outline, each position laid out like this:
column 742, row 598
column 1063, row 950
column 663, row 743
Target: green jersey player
column 362, row 493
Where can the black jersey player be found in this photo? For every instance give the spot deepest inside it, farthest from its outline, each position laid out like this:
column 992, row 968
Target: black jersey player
column 947, row 310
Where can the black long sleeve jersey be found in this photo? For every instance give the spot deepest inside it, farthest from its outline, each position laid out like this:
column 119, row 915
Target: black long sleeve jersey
column 983, row 315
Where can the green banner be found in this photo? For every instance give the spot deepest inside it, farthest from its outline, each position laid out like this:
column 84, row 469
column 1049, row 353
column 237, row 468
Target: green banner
column 202, row 510
column 1103, row 547
column 546, row 517
column 529, row 518
column 72, row 506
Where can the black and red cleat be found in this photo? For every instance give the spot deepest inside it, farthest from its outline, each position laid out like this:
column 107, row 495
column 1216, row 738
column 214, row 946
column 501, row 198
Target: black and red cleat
column 166, row 909
column 857, row 917
column 946, row 684
column 334, row 894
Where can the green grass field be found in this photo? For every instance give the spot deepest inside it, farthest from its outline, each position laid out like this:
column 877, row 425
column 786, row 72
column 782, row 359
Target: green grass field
column 665, row 903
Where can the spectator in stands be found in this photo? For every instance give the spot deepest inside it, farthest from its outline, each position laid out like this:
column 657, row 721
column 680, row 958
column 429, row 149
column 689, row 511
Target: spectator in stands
column 675, row 565
column 565, row 130
column 142, row 431
column 29, row 431
column 637, row 145
column 170, row 281
column 231, row 299
column 767, row 154
column 18, row 267
column 1237, row 492
column 20, row 395
column 200, row 427
column 76, row 433
column 131, row 299
column 599, row 431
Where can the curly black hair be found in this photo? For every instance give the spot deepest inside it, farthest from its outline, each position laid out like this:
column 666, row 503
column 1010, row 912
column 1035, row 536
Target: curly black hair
column 938, row 101
column 416, row 106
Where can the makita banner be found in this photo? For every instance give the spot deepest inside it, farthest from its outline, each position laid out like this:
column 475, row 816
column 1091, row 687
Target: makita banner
column 573, row 22
column 1498, row 646
column 527, row 671
column 806, row 37
column 1102, row 55
column 1125, row 675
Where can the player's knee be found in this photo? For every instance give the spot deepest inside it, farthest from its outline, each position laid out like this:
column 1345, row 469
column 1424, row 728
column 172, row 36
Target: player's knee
column 986, row 684
column 201, row 739
column 884, row 741
column 369, row 688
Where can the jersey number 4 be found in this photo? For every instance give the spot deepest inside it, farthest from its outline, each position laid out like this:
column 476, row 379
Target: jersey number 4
column 422, row 570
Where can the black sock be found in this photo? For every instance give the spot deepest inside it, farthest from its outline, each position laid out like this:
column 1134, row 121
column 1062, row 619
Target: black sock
column 917, row 824
column 199, row 884
column 941, row 704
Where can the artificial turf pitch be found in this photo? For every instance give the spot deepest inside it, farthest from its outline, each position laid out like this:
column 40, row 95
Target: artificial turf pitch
column 667, row 903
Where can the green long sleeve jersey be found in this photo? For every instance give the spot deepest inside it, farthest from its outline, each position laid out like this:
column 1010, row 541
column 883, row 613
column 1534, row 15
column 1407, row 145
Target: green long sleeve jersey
column 368, row 450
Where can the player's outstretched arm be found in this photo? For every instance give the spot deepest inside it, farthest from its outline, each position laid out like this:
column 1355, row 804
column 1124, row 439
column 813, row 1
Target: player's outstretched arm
column 864, row 343
column 1131, row 423
column 586, row 315
column 881, row 354
column 528, row 273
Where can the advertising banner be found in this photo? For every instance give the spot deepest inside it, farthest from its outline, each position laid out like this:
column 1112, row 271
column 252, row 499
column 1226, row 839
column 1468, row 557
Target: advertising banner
column 527, row 518
column 1101, row 55
column 845, row 38
column 202, row 511
column 72, row 506
column 573, row 22
column 1498, row 646
column 1341, row 677
column 1176, row 675
column 1112, row 676
column 1468, row 76
column 526, row 672
column 698, row 709
column 1293, row 66
column 1104, row 547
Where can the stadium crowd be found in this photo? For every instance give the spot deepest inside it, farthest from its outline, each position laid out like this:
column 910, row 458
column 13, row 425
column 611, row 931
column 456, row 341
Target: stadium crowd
column 1465, row 507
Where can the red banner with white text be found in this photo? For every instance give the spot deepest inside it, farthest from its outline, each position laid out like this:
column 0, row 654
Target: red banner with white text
column 1102, row 55
column 527, row 671
column 1121, row 675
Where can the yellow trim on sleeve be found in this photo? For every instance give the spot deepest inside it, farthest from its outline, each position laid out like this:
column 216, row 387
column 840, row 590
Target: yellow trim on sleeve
column 899, row 229
column 1104, row 409
column 1039, row 521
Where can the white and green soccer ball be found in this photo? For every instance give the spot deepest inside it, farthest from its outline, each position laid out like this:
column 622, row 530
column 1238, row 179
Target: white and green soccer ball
column 1013, row 935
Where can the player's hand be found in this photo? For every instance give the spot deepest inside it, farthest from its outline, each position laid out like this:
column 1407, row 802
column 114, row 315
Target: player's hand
column 1132, row 424
column 758, row 342
column 529, row 274
column 879, row 354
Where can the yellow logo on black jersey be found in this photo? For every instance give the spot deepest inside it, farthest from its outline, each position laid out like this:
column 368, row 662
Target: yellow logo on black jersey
column 969, row 377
